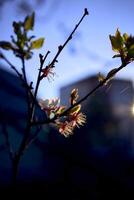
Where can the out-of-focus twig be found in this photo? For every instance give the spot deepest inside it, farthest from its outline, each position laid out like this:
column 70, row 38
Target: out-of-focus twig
column 20, row 77
column 9, row 147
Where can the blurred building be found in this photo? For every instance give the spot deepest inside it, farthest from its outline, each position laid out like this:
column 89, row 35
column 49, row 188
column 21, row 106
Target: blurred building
column 109, row 112
column 102, row 151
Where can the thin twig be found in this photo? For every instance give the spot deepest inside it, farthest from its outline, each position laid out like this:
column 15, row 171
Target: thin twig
column 34, row 137
column 24, row 70
column 30, row 113
column 61, row 47
column 13, row 67
column 20, row 77
column 25, row 142
column 31, row 99
column 42, row 60
column 10, row 150
column 27, row 90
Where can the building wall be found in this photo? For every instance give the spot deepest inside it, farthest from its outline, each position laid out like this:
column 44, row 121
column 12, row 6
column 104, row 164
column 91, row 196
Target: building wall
column 109, row 109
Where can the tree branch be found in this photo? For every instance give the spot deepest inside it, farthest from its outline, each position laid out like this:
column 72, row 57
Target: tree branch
column 61, row 47
column 109, row 76
column 28, row 96
column 10, row 150
column 42, row 60
column 34, row 137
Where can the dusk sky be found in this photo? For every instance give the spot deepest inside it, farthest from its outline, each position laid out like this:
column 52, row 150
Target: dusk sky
column 88, row 53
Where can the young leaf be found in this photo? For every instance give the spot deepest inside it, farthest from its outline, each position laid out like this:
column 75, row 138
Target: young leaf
column 29, row 22
column 119, row 38
column 116, row 41
column 74, row 96
column 125, row 36
column 60, row 110
column 6, row 45
column 101, row 77
column 131, row 51
column 36, row 44
column 76, row 109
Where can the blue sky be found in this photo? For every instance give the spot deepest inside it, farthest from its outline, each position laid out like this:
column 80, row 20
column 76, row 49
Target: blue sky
column 88, row 53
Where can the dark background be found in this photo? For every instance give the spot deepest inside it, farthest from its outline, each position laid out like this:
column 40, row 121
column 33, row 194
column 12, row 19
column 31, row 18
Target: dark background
column 96, row 162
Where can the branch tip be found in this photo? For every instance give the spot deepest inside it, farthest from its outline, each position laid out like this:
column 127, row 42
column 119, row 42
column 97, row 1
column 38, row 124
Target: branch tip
column 86, row 11
column 40, row 55
column 60, row 47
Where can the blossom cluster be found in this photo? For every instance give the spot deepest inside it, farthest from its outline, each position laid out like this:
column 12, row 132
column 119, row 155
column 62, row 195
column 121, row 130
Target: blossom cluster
column 68, row 121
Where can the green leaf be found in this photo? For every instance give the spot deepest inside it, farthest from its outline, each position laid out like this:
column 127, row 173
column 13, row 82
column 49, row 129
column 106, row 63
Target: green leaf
column 132, row 46
column 75, row 110
column 101, row 77
column 6, row 45
column 116, row 41
column 29, row 22
column 119, row 38
column 60, row 110
column 118, row 35
column 125, row 36
column 74, row 96
column 36, row 44
column 131, row 51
